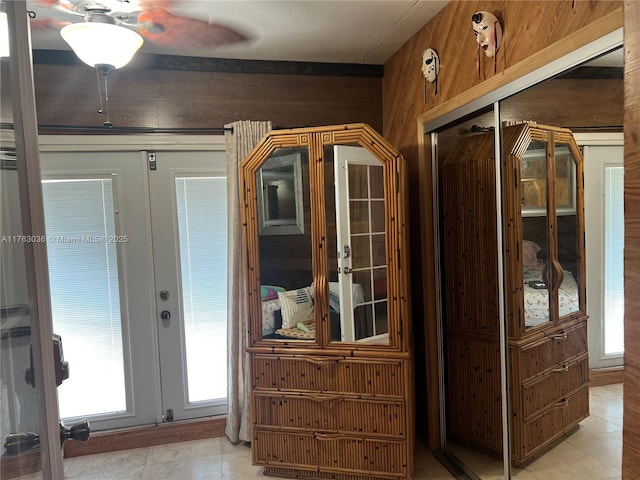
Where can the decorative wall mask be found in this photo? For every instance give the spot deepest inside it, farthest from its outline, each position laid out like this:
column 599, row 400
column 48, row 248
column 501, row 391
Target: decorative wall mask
column 488, row 32
column 430, row 69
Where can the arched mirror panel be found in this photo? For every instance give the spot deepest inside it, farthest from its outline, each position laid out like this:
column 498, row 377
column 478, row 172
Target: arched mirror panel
column 283, row 206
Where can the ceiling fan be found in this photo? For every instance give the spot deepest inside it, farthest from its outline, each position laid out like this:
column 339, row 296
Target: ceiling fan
column 152, row 19
column 113, row 30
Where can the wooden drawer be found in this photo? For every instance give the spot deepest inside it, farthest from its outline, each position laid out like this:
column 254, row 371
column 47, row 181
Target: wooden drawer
column 556, row 384
column 330, row 453
column 554, row 423
column 554, row 349
column 329, row 375
column 333, row 413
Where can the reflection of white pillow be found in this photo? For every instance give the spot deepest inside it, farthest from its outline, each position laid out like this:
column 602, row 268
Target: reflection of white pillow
column 296, row 306
column 357, row 296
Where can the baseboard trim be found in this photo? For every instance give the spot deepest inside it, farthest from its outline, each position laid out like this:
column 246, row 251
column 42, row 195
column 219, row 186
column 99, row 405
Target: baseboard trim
column 21, row 464
column 606, row 376
column 147, row 436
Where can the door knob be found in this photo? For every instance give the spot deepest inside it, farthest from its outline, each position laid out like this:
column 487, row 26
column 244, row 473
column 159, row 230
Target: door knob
column 17, row 442
column 165, row 315
column 78, row 431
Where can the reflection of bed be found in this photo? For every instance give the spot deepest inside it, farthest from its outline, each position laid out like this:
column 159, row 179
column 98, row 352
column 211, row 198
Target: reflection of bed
column 275, row 324
column 271, row 318
column 536, row 301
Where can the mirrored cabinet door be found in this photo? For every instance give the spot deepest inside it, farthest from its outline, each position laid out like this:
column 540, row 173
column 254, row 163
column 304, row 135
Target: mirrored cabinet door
column 567, row 230
column 284, row 246
column 550, row 242
column 361, row 246
column 535, row 239
column 324, row 223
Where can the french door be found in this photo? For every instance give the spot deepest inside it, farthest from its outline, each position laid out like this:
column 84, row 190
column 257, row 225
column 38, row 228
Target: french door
column 136, row 243
column 604, row 229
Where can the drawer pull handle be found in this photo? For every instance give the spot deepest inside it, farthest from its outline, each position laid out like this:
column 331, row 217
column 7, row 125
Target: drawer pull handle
column 335, row 436
column 561, row 403
column 559, row 336
column 321, row 360
column 562, row 368
column 322, row 398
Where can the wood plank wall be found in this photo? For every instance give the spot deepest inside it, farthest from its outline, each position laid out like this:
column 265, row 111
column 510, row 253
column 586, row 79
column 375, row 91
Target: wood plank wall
column 529, row 28
column 152, row 98
column 631, row 432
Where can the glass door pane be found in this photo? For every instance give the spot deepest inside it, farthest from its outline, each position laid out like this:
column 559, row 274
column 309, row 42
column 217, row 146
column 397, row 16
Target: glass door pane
column 19, row 411
column 613, row 261
column 203, row 260
column 85, row 293
column 29, row 423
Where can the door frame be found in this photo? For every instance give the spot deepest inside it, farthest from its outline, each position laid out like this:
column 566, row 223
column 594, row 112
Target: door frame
column 600, row 139
column 25, row 137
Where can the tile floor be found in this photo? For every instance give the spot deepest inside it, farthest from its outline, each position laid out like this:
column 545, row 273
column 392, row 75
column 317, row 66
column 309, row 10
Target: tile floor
column 594, row 452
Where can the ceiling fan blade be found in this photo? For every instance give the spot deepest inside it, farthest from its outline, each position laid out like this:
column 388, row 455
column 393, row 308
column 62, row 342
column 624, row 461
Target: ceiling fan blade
column 46, row 24
column 162, row 27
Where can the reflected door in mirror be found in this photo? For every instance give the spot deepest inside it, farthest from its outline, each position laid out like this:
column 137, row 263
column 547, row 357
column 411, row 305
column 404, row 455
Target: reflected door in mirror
column 361, row 242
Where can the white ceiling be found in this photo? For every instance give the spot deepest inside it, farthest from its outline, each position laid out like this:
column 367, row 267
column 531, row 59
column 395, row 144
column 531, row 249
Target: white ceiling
column 336, row 31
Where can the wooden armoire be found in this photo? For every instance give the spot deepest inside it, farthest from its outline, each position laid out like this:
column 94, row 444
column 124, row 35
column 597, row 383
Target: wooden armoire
column 324, row 225
column 544, row 289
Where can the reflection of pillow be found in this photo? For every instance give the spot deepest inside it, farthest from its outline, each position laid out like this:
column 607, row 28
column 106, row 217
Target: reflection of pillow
column 530, row 253
column 334, row 295
column 334, row 302
column 296, row 306
column 270, row 292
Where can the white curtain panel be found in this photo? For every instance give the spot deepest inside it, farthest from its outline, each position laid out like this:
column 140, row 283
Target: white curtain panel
column 239, row 143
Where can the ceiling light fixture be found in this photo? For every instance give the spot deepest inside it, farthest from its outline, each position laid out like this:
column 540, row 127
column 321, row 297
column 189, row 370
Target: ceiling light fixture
column 104, row 46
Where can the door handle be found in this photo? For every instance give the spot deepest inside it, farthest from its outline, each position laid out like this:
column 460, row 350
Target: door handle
column 78, row 431
column 17, row 442
column 165, row 315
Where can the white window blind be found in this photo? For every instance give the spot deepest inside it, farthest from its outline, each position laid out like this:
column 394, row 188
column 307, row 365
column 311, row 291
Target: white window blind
column 614, row 261
column 85, row 298
column 202, row 226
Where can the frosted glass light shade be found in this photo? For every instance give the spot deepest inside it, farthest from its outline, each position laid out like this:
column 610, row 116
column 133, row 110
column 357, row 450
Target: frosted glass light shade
column 102, row 43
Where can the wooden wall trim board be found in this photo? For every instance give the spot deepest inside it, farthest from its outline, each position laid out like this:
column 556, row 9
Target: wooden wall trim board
column 535, row 32
column 221, row 65
column 606, row 376
column 124, row 439
column 631, row 426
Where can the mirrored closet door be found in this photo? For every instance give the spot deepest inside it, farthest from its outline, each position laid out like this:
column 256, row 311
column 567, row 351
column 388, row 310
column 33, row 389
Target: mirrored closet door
column 538, row 263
